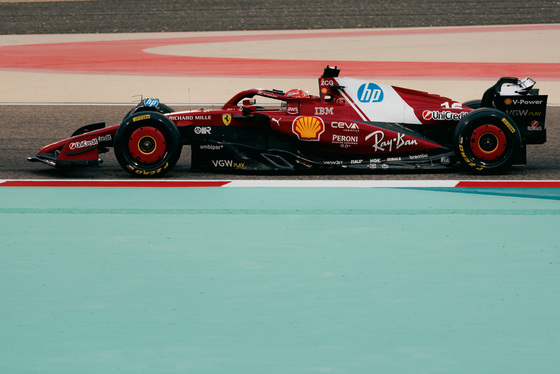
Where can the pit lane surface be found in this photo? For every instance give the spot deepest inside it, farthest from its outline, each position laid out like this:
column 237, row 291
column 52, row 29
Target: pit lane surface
column 27, row 128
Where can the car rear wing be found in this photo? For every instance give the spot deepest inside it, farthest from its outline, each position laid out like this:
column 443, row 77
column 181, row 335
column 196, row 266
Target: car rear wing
column 517, row 98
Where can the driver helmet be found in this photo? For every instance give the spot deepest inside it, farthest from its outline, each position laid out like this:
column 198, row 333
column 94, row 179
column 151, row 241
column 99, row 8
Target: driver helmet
column 297, row 93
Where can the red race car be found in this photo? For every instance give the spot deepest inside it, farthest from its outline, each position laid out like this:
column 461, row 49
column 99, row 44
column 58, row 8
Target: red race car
column 352, row 124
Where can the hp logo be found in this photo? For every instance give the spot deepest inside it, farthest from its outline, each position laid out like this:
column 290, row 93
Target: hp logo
column 151, row 102
column 370, row 93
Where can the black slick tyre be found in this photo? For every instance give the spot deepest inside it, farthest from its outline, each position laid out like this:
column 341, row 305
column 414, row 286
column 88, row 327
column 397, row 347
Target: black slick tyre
column 487, row 141
column 147, row 144
column 473, row 104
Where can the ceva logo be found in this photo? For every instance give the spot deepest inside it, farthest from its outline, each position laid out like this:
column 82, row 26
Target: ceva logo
column 370, row 93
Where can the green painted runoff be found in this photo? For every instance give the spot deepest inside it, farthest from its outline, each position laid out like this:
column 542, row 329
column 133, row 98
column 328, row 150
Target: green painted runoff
column 278, row 280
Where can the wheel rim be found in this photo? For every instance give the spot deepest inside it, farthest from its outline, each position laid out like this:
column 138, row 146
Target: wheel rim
column 147, row 145
column 488, row 142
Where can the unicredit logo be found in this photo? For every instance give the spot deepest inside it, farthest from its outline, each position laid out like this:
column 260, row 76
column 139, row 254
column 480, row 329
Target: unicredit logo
column 427, row 115
column 445, row 115
column 83, row 144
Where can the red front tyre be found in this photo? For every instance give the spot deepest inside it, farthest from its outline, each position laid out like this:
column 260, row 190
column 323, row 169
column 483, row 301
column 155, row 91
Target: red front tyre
column 147, row 144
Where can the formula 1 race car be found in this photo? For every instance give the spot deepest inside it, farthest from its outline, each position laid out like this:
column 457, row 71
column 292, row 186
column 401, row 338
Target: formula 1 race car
column 352, row 125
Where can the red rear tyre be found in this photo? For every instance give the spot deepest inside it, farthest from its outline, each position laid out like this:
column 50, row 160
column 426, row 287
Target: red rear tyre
column 487, row 141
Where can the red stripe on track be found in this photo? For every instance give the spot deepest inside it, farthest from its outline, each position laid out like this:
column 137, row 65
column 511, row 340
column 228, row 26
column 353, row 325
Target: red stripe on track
column 172, row 183
column 129, row 57
column 509, row 184
column 97, row 183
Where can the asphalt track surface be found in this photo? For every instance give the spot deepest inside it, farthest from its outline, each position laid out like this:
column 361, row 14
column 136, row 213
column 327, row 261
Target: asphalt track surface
column 104, row 16
column 27, row 128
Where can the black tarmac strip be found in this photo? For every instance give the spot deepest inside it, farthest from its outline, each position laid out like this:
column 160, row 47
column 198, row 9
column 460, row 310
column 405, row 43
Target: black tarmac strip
column 108, row 16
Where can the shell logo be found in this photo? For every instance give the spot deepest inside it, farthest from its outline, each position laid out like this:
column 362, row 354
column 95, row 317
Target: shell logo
column 308, row 128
